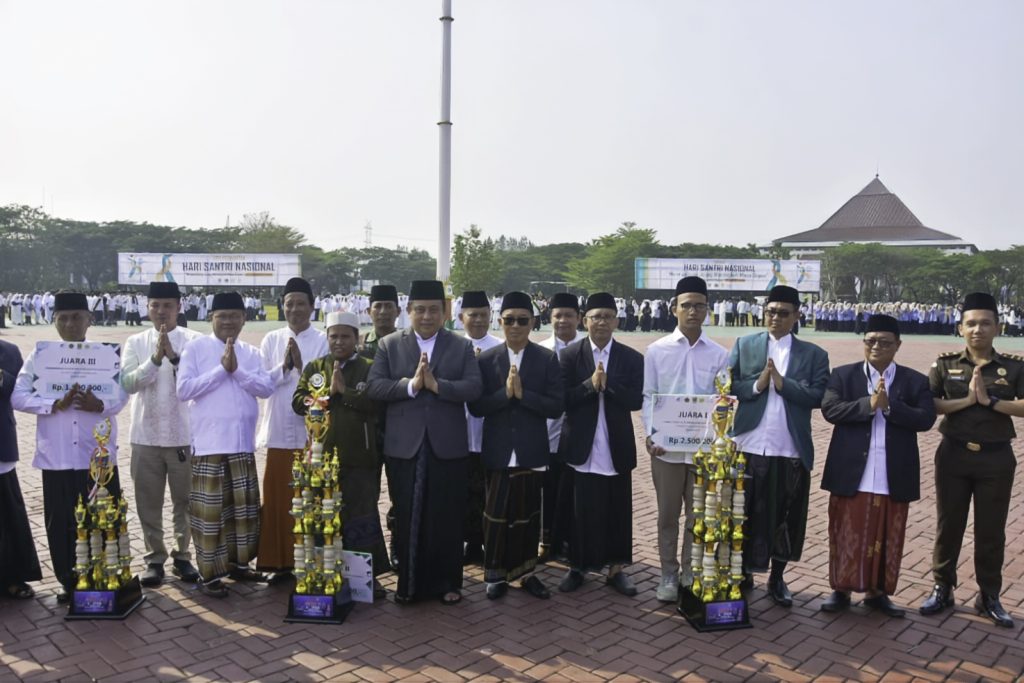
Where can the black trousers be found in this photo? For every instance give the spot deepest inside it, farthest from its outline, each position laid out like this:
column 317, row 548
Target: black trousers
column 61, row 489
column 987, row 477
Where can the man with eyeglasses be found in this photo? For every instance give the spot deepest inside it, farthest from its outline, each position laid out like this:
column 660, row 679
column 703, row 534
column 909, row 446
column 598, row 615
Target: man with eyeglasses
column 425, row 375
column 684, row 362
column 977, row 391
column 873, row 467
column 475, row 317
column 565, row 322
column 778, row 380
column 522, row 388
column 603, row 386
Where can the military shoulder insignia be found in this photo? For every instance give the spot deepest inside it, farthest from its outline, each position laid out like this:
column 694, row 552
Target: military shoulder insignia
column 1013, row 356
column 949, row 354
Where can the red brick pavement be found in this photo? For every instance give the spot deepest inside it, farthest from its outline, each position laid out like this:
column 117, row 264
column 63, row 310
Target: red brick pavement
column 591, row 635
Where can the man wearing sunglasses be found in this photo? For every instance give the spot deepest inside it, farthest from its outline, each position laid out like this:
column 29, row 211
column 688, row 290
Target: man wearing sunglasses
column 522, row 389
column 778, row 381
column 873, row 468
column 603, row 386
column 475, row 317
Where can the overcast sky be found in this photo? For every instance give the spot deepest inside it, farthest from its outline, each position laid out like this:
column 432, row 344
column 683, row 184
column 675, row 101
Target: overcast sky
column 727, row 122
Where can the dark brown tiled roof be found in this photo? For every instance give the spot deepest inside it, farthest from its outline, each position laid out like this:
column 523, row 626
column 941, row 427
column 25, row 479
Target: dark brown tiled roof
column 873, row 215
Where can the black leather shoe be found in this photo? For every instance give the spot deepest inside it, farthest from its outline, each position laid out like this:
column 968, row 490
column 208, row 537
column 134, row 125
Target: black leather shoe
column 153, row 576
column 989, row 606
column 497, row 590
column 571, row 581
column 940, row 600
column 622, row 584
column 184, row 570
column 747, row 583
column 63, row 597
column 215, row 588
column 883, row 604
column 837, row 602
column 779, row 593
column 536, row 587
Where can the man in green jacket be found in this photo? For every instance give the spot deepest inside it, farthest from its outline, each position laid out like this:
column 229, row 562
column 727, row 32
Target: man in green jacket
column 353, row 432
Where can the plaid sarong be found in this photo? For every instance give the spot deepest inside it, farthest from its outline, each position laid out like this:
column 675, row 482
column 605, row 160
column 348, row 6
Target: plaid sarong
column 511, row 523
column 224, row 506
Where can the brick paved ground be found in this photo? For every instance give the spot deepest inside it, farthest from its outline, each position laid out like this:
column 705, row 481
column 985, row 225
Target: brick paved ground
column 593, row 634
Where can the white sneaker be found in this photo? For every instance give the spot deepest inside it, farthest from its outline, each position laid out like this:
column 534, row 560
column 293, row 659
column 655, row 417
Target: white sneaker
column 668, row 589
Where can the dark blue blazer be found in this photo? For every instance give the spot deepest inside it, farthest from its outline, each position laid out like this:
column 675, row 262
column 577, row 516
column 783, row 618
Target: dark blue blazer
column 10, row 365
column 847, row 405
column 623, row 395
column 513, row 423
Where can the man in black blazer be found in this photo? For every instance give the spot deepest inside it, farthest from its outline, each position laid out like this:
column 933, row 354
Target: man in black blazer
column 18, row 560
column 522, row 389
column 873, row 467
column 604, row 383
column 425, row 375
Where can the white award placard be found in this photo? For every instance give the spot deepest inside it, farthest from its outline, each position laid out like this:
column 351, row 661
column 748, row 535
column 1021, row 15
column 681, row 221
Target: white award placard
column 93, row 366
column 681, row 423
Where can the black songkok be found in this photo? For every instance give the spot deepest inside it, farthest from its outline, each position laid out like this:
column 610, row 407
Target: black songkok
column 384, row 293
column 227, row 301
column 297, row 284
column 164, row 290
column 692, row 285
column 784, row 294
column 601, row 300
column 426, row 290
column 517, row 300
column 880, row 322
column 980, row 301
column 475, row 299
column 70, row 301
column 564, row 300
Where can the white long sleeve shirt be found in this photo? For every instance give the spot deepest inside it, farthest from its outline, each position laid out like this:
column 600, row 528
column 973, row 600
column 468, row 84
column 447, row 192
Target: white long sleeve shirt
column 475, row 425
column 280, row 427
column 876, row 477
column 555, row 426
column 771, row 436
column 600, row 459
column 64, row 439
column 158, row 417
column 673, row 366
column 222, row 405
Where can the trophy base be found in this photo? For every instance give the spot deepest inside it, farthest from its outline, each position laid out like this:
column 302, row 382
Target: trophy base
column 310, row 608
column 718, row 615
column 113, row 605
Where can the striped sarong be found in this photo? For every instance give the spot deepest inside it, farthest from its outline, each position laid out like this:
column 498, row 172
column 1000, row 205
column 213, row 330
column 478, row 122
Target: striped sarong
column 511, row 523
column 224, row 506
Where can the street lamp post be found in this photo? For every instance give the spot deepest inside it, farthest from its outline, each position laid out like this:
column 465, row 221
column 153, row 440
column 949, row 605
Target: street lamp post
column 444, row 256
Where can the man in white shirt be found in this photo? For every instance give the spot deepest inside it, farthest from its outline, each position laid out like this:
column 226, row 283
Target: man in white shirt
column 778, row 380
column 160, row 438
column 65, row 441
column 221, row 378
column 284, row 353
column 565, row 322
column 684, row 362
column 475, row 317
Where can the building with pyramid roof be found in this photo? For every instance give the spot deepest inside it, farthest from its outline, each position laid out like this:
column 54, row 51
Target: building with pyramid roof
column 873, row 215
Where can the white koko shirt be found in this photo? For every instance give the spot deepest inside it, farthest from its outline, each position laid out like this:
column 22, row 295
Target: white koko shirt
column 280, row 427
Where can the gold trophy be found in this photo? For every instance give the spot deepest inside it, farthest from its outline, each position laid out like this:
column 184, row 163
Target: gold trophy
column 718, row 514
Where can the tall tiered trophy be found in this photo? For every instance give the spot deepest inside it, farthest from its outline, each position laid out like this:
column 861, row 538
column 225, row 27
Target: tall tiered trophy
column 321, row 595
column 714, row 601
column 104, row 585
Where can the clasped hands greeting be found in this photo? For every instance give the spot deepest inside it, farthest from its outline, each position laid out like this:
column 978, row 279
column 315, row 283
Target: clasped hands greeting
column 771, row 375
column 82, row 400
column 424, row 377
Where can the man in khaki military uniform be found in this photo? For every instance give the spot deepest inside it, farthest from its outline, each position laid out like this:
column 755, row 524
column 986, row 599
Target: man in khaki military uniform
column 978, row 391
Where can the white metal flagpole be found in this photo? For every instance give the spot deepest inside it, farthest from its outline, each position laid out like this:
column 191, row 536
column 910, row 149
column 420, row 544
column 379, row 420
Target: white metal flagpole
column 444, row 256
